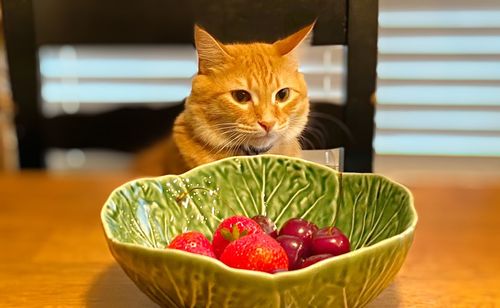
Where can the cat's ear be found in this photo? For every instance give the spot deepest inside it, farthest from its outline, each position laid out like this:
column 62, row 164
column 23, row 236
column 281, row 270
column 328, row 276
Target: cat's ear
column 290, row 43
column 210, row 51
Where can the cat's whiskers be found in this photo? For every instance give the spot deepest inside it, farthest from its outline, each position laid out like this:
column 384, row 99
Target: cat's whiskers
column 223, row 126
column 293, row 122
column 280, row 130
column 232, row 140
column 233, row 144
column 332, row 119
column 238, row 142
column 236, row 136
column 247, row 132
column 317, row 130
column 316, row 133
column 243, row 126
column 223, row 130
column 302, row 139
column 243, row 140
column 227, row 134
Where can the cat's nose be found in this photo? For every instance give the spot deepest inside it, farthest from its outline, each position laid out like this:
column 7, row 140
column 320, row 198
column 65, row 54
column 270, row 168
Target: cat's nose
column 267, row 125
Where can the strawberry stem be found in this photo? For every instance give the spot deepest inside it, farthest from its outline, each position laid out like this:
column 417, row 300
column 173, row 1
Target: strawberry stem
column 233, row 235
column 226, row 234
column 236, row 232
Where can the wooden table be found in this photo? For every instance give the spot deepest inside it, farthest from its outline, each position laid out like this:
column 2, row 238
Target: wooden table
column 53, row 252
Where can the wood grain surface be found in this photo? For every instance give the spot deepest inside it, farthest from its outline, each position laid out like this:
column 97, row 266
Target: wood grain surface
column 53, row 252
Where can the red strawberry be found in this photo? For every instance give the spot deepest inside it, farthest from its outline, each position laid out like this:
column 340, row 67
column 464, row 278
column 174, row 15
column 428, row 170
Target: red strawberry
column 258, row 252
column 231, row 229
column 194, row 242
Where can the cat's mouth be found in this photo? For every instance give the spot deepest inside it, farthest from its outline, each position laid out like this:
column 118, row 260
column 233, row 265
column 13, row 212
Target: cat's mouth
column 256, row 144
column 251, row 150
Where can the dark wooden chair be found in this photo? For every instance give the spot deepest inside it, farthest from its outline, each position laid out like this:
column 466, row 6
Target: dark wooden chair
column 30, row 24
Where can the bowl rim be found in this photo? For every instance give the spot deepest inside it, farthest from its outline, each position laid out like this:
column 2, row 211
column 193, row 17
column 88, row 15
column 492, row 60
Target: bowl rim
column 256, row 274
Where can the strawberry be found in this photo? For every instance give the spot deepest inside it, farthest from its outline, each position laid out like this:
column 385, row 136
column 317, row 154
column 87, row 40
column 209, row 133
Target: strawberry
column 194, row 242
column 231, row 229
column 258, row 252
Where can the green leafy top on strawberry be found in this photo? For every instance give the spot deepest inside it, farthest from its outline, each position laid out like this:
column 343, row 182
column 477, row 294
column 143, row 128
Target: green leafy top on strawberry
column 234, row 234
column 231, row 229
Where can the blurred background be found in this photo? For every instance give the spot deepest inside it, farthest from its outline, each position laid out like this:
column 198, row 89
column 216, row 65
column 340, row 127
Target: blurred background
column 437, row 99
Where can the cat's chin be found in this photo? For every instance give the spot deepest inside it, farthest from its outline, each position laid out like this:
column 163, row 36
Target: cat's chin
column 250, row 150
column 263, row 141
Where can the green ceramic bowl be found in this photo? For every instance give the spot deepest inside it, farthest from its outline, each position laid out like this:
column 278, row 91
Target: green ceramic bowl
column 142, row 216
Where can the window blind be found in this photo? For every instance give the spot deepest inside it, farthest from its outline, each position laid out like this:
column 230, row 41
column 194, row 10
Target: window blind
column 439, row 78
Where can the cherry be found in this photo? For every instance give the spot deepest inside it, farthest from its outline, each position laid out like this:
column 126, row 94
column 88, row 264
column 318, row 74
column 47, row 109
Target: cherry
column 302, row 229
column 294, row 248
column 267, row 225
column 315, row 259
column 330, row 240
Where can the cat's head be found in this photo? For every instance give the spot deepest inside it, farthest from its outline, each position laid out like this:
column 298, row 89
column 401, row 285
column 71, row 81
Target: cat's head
column 248, row 95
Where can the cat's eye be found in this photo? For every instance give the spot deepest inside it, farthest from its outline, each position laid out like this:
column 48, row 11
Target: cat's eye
column 241, row 96
column 282, row 95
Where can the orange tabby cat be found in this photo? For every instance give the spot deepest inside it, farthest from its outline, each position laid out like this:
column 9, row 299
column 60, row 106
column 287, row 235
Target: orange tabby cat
column 246, row 99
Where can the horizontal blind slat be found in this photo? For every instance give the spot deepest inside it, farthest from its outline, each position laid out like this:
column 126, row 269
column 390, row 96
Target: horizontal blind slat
column 461, row 45
column 436, row 144
column 439, row 95
column 433, row 19
column 439, row 70
column 459, row 120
